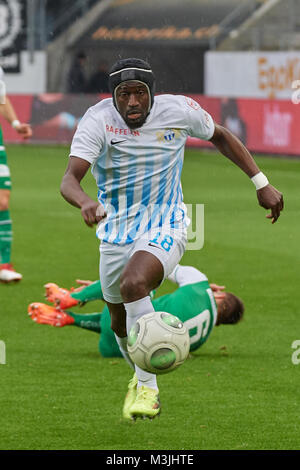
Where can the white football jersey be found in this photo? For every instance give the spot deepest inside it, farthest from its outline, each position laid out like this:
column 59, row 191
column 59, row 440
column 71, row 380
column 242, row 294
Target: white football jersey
column 138, row 171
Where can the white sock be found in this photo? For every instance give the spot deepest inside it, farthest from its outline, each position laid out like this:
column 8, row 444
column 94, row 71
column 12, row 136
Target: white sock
column 122, row 342
column 134, row 311
column 145, row 378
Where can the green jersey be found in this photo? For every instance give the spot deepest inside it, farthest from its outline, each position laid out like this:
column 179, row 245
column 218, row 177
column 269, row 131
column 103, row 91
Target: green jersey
column 193, row 304
column 5, row 181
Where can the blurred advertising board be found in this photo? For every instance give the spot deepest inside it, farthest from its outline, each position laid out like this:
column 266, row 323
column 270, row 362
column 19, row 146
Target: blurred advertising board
column 264, row 126
column 258, row 74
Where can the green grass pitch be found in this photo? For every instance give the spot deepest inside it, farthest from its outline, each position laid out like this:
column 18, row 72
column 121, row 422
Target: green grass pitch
column 239, row 391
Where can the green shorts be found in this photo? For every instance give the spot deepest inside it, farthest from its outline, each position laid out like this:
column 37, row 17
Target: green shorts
column 5, row 181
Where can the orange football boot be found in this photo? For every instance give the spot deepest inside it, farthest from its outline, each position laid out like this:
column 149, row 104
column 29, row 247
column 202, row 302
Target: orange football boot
column 60, row 297
column 46, row 315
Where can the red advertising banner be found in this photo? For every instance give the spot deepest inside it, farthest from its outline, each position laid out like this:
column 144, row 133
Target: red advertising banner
column 264, row 126
column 272, row 126
column 54, row 117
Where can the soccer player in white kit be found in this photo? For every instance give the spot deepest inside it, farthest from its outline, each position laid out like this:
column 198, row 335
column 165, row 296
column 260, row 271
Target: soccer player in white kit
column 135, row 146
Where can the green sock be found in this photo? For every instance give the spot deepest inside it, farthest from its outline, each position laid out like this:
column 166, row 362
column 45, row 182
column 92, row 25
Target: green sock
column 91, row 292
column 88, row 321
column 5, row 237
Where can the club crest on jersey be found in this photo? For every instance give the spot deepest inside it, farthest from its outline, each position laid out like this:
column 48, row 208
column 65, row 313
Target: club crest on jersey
column 168, row 135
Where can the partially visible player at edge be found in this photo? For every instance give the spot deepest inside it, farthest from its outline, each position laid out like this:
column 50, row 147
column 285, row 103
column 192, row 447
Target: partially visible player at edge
column 198, row 304
column 7, row 272
column 135, row 145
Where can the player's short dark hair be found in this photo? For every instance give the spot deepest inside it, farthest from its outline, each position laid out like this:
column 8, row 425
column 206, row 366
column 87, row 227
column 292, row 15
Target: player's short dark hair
column 231, row 310
column 131, row 69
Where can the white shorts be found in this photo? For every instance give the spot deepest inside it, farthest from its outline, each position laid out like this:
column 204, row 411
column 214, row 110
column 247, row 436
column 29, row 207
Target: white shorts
column 113, row 259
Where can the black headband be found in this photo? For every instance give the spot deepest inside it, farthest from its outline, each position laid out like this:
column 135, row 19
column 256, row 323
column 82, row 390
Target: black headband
column 132, row 73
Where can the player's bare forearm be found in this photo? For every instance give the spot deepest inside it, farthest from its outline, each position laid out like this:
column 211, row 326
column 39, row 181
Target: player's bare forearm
column 233, row 148
column 230, row 146
column 72, row 192
column 7, row 111
column 91, row 211
column 70, row 186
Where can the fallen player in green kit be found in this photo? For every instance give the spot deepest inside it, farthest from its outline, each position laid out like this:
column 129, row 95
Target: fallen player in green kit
column 198, row 304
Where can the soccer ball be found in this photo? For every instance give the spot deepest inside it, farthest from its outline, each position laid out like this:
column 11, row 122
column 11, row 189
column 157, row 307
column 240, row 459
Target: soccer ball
column 158, row 342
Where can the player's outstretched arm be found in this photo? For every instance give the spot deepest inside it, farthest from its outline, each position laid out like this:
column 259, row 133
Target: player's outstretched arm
column 91, row 211
column 184, row 275
column 230, row 146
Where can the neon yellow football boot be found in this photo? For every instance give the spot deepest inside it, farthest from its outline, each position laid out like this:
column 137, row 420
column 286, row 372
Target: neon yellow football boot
column 147, row 404
column 130, row 397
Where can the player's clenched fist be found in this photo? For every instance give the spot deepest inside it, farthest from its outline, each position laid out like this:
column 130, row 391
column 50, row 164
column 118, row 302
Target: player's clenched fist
column 92, row 212
column 270, row 198
column 24, row 130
